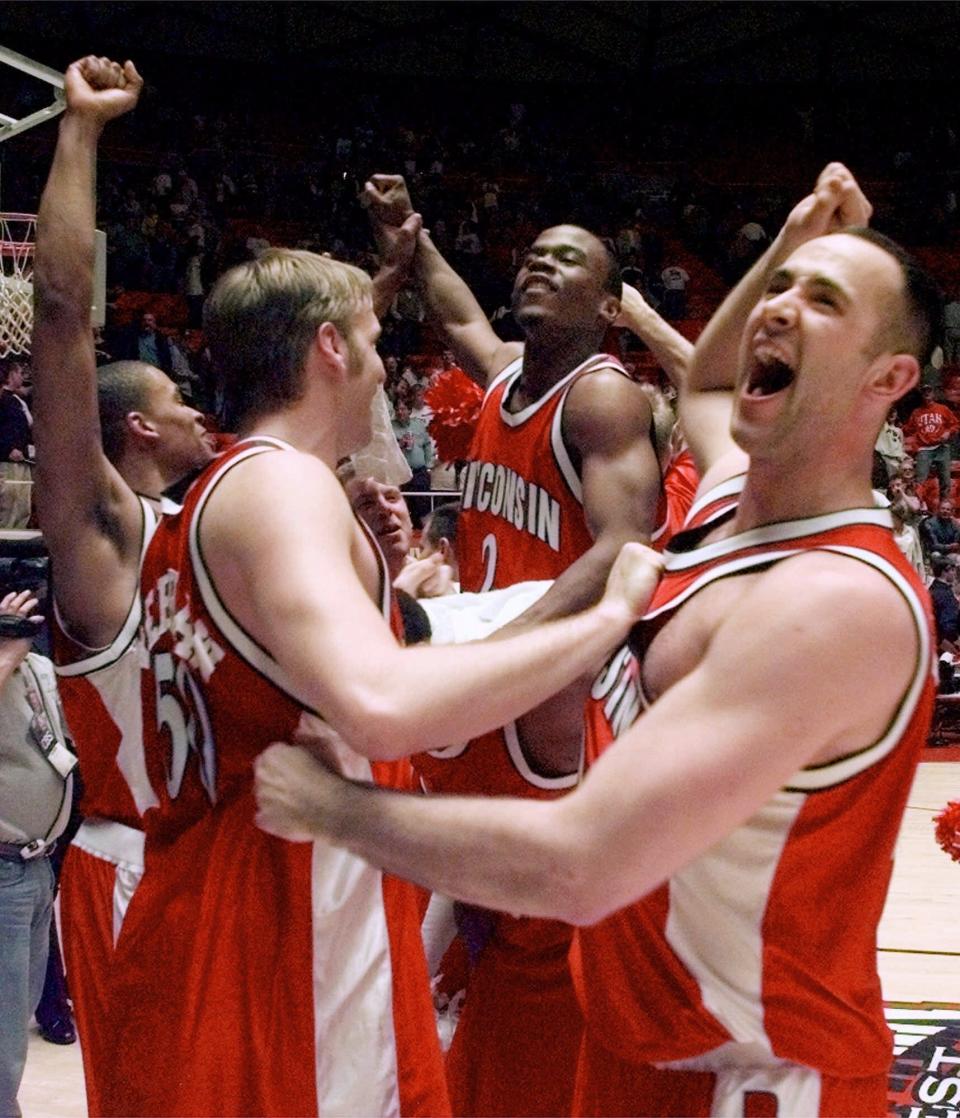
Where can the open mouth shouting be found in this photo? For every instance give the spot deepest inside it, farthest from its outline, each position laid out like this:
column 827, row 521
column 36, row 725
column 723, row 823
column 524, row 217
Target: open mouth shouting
column 769, row 374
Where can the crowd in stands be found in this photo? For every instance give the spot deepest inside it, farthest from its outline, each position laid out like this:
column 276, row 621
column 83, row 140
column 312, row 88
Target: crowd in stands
column 184, row 195
column 230, row 183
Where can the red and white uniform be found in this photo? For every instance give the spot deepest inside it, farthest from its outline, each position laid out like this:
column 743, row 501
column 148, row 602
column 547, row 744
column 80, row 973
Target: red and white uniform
column 742, row 978
column 680, row 481
column 616, row 698
column 254, row 976
column 522, row 502
column 718, row 501
column 521, row 518
column 100, row 691
column 504, row 1059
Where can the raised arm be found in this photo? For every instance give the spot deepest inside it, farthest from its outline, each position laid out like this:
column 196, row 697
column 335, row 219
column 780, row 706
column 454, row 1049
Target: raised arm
column 703, row 760
column 672, row 350
column 91, row 520
column 835, row 202
column 450, row 304
column 338, row 656
column 397, row 245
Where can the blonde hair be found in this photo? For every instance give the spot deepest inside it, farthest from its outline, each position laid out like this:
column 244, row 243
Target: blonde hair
column 261, row 318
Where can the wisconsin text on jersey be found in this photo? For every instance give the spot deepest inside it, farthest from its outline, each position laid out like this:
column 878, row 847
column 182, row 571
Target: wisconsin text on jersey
column 617, row 686
column 502, row 492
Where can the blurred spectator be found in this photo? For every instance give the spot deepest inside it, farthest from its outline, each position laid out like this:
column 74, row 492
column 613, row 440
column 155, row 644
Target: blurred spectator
column 890, row 444
column 440, row 538
column 932, row 425
column 946, row 612
column 417, row 448
column 435, row 573
column 15, row 450
column 951, row 322
column 675, row 281
column 143, row 342
column 907, row 538
column 940, row 533
column 193, row 283
column 384, row 511
column 35, row 797
column 903, row 491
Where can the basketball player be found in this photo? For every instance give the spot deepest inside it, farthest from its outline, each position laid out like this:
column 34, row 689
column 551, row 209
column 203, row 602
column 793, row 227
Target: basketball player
column 563, row 469
column 265, row 601
column 754, row 806
column 96, row 503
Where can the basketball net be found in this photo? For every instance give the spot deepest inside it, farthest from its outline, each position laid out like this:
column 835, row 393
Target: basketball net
column 18, row 231
column 17, row 236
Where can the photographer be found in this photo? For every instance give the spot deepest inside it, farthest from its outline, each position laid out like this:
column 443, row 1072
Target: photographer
column 36, row 786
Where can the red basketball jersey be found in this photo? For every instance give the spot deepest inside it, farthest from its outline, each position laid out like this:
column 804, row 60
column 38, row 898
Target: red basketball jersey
column 680, row 481
column 764, row 947
column 522, row 502
column 100, row 692
column 255, row 976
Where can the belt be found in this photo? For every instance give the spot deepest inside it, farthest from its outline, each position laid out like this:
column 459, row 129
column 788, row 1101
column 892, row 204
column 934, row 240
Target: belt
column 15, row 852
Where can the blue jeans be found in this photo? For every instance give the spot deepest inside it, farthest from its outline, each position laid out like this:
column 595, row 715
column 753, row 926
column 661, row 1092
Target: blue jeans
column 937, row 457
column 26, row 907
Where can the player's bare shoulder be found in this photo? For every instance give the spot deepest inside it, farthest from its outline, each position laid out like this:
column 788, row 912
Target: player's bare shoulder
column 605, row 404
column 848, row 632
column 263, row 495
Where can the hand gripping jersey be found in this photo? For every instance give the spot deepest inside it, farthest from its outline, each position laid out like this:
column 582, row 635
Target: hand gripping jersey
column 616, row 698
column 754, row 967
column 255, row 976
column 522, row 502
column 100, row 691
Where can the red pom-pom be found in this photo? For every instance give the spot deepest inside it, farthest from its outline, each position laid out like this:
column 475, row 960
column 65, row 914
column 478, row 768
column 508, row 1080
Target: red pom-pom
column 455, row 402
column 948, row 829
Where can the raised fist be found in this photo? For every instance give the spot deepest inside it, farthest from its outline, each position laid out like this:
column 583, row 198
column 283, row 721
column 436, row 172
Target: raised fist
column 387, row 198
column 100, row 89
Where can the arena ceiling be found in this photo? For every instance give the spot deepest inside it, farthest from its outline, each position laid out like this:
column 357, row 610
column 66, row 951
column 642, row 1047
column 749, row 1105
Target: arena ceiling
column 576, row 41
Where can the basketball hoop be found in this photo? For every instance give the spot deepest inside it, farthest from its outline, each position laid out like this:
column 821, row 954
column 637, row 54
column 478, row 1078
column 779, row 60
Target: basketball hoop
column 17, row 237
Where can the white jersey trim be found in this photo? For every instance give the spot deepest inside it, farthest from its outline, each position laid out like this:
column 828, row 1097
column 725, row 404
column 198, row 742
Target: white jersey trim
column 776, row 533
column 103, row 657
column 732, row 487
column 520, row 763
column 516, row 419
column 507, row 371
column 356, row 1051
column 741, row 1071
column 112, row 842
column 821, row 777
column 715, row 918
column 355, row 1045
column 560, row 452
column 243, row 644
column 385, row 589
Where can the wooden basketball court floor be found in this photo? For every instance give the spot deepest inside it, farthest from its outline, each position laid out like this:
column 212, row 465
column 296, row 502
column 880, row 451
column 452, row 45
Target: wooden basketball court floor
column 919, row 943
